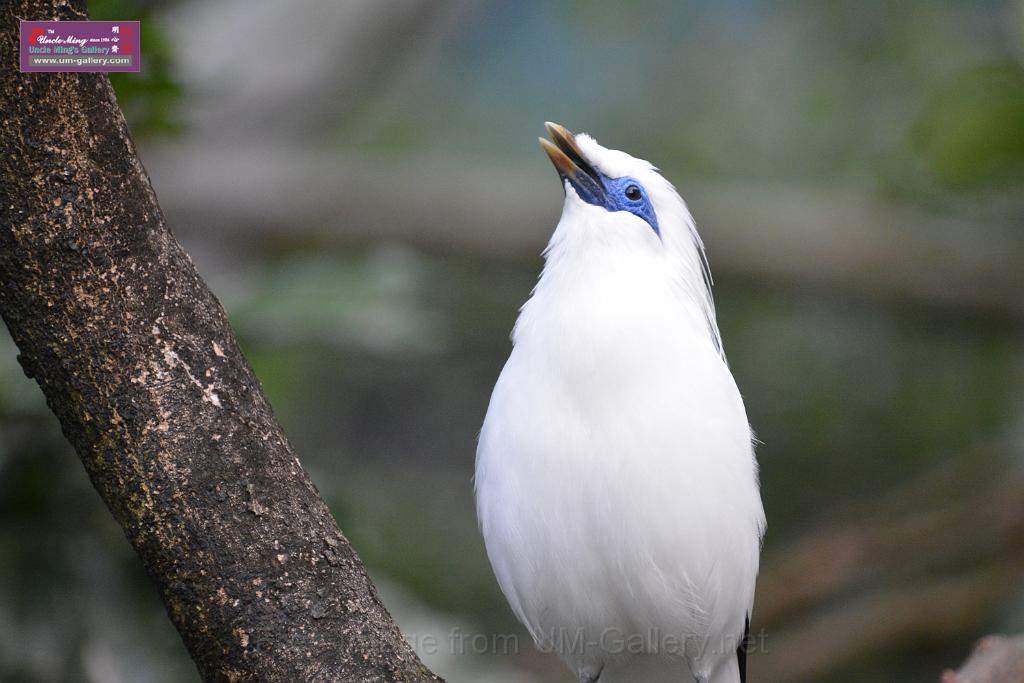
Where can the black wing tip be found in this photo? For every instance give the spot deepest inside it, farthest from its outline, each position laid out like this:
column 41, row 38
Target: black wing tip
column 741, row 651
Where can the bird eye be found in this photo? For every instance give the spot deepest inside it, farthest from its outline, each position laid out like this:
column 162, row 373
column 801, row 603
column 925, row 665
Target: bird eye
column 632, row 193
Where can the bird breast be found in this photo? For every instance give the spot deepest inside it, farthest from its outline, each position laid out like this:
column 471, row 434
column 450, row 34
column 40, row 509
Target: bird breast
column 616, row 484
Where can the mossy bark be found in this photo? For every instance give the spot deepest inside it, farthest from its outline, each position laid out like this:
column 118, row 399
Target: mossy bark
column 137, row 360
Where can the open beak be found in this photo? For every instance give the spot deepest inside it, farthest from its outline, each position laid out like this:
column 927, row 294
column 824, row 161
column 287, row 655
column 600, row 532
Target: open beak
column 569, row 162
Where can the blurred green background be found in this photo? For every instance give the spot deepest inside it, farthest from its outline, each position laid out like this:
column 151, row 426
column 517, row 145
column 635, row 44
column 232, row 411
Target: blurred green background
column 360, row 184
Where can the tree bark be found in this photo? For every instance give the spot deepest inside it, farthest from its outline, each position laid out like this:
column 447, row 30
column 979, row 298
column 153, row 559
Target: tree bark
column 137, row 360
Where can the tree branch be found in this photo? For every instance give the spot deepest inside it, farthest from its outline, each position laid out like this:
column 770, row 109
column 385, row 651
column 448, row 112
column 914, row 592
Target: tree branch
column 137, row 360
column 996, row 659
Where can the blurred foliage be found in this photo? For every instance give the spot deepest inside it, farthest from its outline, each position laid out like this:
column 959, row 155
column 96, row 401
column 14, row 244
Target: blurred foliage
column 850, row 396
column 921, row 99
column 150, row 99
column 971, row 132
column 379, row 361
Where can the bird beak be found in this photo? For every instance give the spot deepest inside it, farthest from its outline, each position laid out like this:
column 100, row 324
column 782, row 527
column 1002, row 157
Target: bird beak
column 569, row 162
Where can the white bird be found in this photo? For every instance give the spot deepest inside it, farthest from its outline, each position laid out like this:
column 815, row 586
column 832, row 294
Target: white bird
column 616, row 483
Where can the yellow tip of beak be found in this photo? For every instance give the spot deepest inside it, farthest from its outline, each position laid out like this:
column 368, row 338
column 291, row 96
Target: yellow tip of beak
column 572, row 166
column 563, row 164
column 557, row 129
column 564, row 139
column 562, row 149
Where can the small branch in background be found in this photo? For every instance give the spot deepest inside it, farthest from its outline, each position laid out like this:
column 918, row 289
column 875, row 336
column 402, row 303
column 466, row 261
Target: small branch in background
column 996, row 659
column 932, row 559
column 885, row 620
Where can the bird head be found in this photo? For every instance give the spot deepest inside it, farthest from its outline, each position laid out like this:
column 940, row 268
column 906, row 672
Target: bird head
column 611, row 180
column 618, row 196
column 624, row 207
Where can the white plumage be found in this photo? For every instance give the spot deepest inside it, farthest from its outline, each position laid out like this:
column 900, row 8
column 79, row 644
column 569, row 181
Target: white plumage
column 615, row 478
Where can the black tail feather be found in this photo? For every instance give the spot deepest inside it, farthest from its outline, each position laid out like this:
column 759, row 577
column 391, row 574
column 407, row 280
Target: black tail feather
column 741, row 651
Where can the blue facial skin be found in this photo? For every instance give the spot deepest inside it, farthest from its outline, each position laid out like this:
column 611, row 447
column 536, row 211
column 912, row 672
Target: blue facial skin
column 615, row 194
